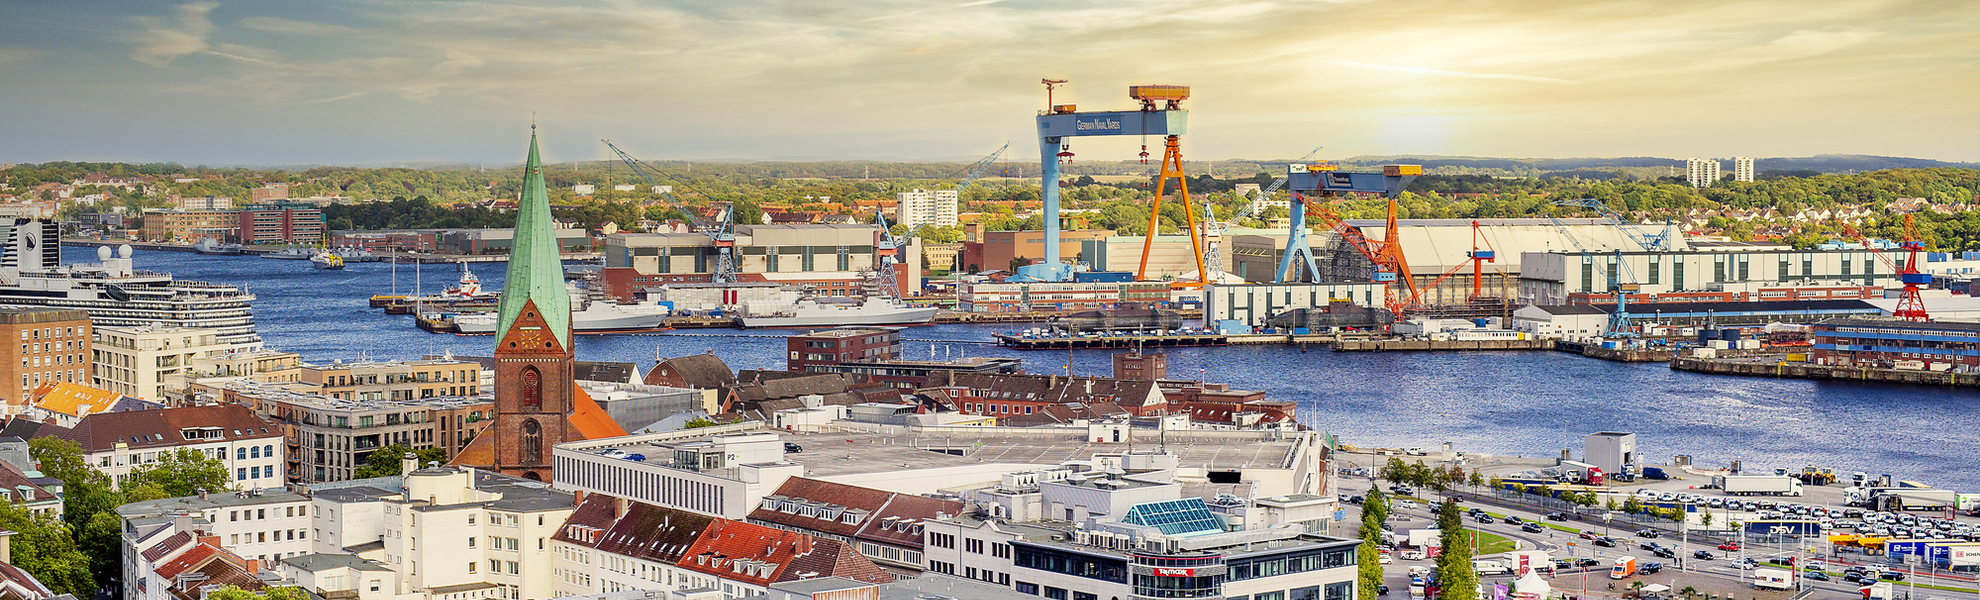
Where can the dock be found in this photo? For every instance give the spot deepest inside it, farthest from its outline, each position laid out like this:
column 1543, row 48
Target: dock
column 1778, row 366
column 1440, row 345
column 1124, row 341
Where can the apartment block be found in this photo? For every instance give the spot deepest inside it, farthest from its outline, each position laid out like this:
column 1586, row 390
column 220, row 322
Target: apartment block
column 936, row 208
column 1701, row 172
column 55, row 347
column 118, row 442
column 138, row 361
column 281, row 223
column 190, row 225
column 329, row 438
column 396, row 380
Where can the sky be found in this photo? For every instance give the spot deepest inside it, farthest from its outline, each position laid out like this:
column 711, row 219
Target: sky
column 371, row 82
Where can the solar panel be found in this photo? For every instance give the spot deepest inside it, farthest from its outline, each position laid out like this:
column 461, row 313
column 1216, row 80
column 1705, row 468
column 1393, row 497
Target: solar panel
column 1175, row 517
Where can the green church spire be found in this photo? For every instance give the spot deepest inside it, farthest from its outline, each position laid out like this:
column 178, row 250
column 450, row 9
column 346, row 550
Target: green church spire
column 536, row 272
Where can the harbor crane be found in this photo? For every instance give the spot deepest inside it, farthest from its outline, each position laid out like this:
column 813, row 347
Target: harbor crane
column 1911, row 304
column 1653, row 242
column 722, row 233
column 888, row 254
column 1619, row 320
column 1476, row 259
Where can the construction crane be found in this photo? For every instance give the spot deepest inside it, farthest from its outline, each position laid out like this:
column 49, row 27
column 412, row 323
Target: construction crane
column 1266, row 194
column 977, row 170
column 722, row 234
column 1619, row 320
column 1650, row 242
column 1476, row 259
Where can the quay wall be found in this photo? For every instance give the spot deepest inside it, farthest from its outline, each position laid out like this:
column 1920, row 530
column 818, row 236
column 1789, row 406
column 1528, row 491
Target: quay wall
column 1439, row 345
column 1801, row 370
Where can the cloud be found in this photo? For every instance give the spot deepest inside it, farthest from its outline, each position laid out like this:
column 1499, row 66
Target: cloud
column 161, row 41
column 280, row 25
column 1443, row 73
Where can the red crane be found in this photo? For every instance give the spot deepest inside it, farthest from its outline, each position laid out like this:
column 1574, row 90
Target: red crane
column 1910, row 306
column 1476, row 258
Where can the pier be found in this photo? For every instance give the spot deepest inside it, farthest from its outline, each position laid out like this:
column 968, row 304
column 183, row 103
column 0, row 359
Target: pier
column 1440, row 345
column 1124, row 341
column 1778, row 366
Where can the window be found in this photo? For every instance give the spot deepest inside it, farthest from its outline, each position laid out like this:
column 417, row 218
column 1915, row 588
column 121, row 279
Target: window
column 532, row 440
column 240, row 454
column 471, row 541
column 973, row 546
column 532, row 389
column 1024, row 587
column 1055, row 593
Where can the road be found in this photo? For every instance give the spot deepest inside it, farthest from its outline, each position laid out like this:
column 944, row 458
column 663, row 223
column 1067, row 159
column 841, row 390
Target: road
column 1715, row 576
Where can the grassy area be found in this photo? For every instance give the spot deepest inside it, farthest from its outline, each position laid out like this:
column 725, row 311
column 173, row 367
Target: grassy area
column 1492, row 543
column 1895, row 585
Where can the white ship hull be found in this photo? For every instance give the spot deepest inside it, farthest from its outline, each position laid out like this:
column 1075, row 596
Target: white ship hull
column 597, row 318
column 829, row 315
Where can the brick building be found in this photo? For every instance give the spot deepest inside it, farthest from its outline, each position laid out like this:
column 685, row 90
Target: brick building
column 190, row 225
column 279, row 224
column 55, row 347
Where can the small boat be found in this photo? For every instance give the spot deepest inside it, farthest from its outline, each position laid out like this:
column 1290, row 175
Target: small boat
column 209, row 245
column 291, row 253
column 326, row 261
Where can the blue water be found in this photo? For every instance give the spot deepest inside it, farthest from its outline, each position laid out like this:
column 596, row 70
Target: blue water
column 1515, row 403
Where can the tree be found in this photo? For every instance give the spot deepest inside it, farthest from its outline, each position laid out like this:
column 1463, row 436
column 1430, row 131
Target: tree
column 1632, row 505
column 1477, row 479
column 1395, row 471
column 1454, row 570
column 1368, row 567
column 388, row 460
column 697, row 423
column 273, row 593
column 747, row 213
column 1376, row 504
column 183, row 472
column 1705, row 520
column 43, row 546
column 88, row 506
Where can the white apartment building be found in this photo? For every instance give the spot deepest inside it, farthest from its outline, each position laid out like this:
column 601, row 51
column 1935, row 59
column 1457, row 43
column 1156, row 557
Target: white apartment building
column 464, row 531
column 1701, row 172
column 720, row 471
column 135, row 361
column 1088, row 536
column 927, row 207
column 251, row 447
column 257, row 527
column 1743, row 168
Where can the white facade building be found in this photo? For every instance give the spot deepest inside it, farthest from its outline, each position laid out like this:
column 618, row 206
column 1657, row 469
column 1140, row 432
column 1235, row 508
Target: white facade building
column 261, row 527
column 137, row 361
column 251, row 447
column 1568, row 321
column 927, row 207
column 1743, row 168
column 719, row 471
column 1701, row 172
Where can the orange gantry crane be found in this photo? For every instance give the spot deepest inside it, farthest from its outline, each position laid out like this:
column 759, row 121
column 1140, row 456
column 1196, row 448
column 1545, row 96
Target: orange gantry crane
column 1911, row 304
column 1391, row 269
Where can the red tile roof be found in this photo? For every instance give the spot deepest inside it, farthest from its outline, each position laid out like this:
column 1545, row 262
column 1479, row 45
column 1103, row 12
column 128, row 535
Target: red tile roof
column 145, row 429
column 645, row 531
column 832, row 558
column 163, row 548
column 882, row 516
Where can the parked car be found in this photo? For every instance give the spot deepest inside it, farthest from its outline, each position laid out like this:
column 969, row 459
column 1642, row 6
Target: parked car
column 1649, row 568
column 1605, row 542
column 1664, row 553
column 1729, row 547
column 1382, row 591
column 1557, row 516
column 790, row 447
column 1588, row 534
column 1781, row 560
column 1412, row 555
column 1855, row 577
column 1816, row 575
column 1587, row 562
column 1649, row 533
column 1702, row 555
column 1647, row 545
column 1891, row 576
column 1531, row 527
column 1406, row 504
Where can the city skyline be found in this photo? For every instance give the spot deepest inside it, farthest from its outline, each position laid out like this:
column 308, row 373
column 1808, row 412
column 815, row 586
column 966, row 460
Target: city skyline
column 375, row 82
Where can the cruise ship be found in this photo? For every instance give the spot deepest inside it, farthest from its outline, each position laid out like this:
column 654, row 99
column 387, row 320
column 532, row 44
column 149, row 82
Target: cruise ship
column 115, row 293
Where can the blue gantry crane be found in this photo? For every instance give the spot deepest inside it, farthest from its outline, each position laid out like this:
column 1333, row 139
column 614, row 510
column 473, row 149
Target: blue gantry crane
column 977, row 170
column 1161, row 114
column 1652, row 242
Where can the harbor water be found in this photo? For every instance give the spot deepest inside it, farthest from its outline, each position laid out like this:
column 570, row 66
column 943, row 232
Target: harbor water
column 1508, row 403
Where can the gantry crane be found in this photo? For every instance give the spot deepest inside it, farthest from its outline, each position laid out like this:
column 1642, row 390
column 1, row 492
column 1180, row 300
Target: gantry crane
column 722, row 234
column 1390, row 267
column 1476, row 259
column 1061, row 122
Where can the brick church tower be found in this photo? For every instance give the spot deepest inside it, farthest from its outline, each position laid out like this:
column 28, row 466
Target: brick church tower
column 538, row 403
column 535, row 383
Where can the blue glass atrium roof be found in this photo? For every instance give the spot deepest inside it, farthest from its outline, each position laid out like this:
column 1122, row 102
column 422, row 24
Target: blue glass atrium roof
column 1188, row 516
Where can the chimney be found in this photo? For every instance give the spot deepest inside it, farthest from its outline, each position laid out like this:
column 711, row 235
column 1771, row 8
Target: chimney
column 253, row 565
column 577, row 499
column 409, row 463
column 619, row 507
column 202, row 493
